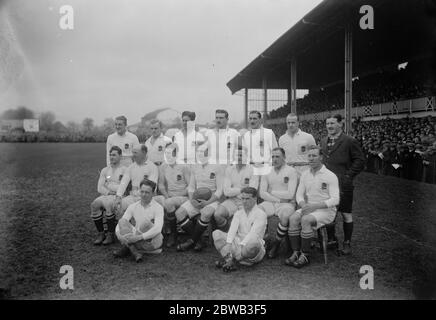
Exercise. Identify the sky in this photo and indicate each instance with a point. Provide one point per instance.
(132, 57)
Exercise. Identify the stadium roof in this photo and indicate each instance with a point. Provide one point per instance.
(402, 31)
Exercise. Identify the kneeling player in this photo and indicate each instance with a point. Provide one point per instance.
(278, 190)
(203, 175)
(108, 184)
(173, 184)
(144, 234)
(237, 177)
(320, 187)
(244, 242)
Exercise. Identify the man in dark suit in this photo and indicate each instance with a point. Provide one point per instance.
(343, 156)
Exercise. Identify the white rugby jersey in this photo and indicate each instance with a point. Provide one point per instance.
(235, 180)
(222, 144)
(175, 178)
(244, 225)
(279, 185)
(209, 176)
(296, 147)
(126, 143)
(186, 145)
(110, 179)
(136, 173)
(156, 148)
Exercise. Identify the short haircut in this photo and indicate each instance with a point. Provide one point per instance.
(337, 116)
(281, 150)
(190, 114)
(154, 121)
(144, 148)
(117, 149)
(222, 111)
(250, 190)
(293, 115)
(315, 147)
(256, 112)
(123, 118)
(149, 183)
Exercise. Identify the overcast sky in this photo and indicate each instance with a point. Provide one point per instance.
(131, 57)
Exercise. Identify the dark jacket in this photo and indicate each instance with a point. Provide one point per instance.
(346, 157)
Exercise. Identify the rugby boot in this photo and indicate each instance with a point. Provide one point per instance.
(109, 239)
(274, 249)
(199, 245)
(303, 260)
(122, 252)
(100, 238)
(292, 259)
(229, 265)
(135, 253)
(220, 263)
(346, 249)
(185, 246)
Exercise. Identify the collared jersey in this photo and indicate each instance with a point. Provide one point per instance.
(136, 173)
(296, 147)
(259, 144)
(243, 225)
(126, 143)
(235, 180)
(323, 186)
(186, 145)
(222, 144)
(175, 179)
(156, 148)
(205, 176)
(144, 215)
(281, 184)
(110, 179)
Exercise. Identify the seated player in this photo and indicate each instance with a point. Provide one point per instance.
(144, 234)
(318, 196)
(203, 175)
(244, 242)
(237, 177)
(278, 188)
(108, 183)
(139, 170)
(173, 185)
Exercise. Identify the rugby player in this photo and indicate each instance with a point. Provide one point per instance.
(237, 177)
(173, 185)
(123, 139)
(188, 139)
(295, 142)
(277, 189)
(344, 157)
(144, 234)
(317, 197)
(202, 175)
(244, 242)
(139, 170)
(157, 143)
(108, 183)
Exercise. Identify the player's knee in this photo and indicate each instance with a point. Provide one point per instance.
(207, 213)
(250, 250)
(181, 214)
(294, 220)
(217, 235)
(96, 205)
(348, 217)
(307, 221)
(221, 213)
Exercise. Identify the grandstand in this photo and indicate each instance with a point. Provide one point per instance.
(387, 95)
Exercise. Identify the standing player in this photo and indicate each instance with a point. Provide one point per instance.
(157, 143)
(237, 177)
(139, 170)
(222, 140)
(144, 234)
(295, 142)
(318, 196)
(259, 142)
(173, 184)
(108, 183)
(123, 139)
(188, 139)
(244, 242)
(202, 175)
(345, 158)
(278, 190)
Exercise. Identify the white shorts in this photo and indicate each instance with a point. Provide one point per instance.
(106, 203)
(322, 216)
(276, 208)
(192, 211)
(173, 203)
(153, 245)
(232, 205)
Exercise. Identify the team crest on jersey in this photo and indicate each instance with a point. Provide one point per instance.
(247, 180)
(212, 175)
(179, 177)
(324, 186)
(121, 176)
(126, 146)
(286, 179)
(261, 143)
(160, 148)
(229, 145)
(145, 176)
(303, 148)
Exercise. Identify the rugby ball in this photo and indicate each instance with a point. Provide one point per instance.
(202, 194)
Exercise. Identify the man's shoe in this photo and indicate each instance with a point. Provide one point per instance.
(302, 261)
(274, 249)
(135, 253)
(346, 250)
(185, 246)
(171, 240)
(229, 265)
(122, 252)
(100, 239)
(220, 263)
(109, 239)
(292, 259)
(199, 246)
